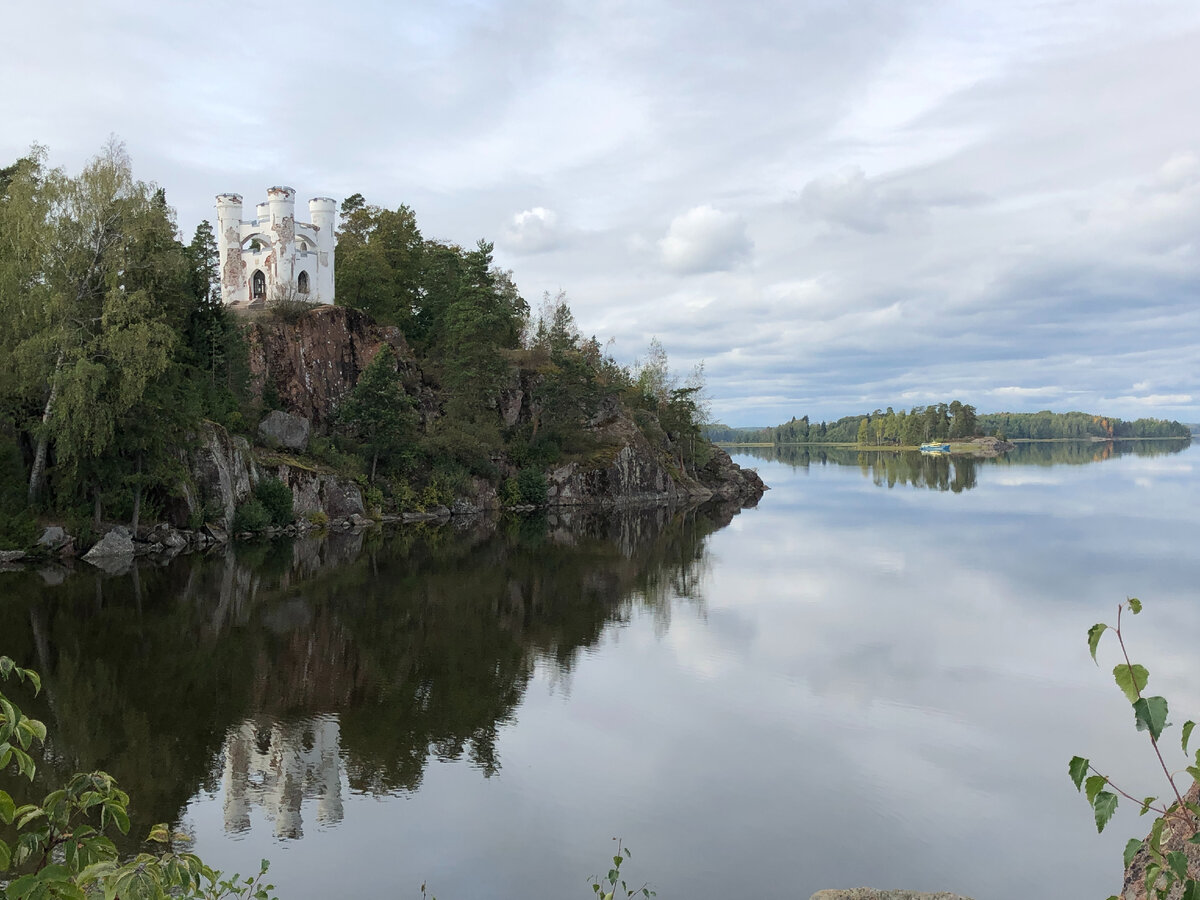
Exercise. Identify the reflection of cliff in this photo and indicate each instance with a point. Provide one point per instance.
(955, 472)
(277, 766)
(404, 644)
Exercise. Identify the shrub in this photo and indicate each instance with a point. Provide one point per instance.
(510, 493)
(318, 518)
(373, 498)
(403, 494)
(251, 515)
(532, 487)
(276, 500)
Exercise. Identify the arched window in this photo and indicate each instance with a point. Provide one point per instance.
(258, 284)
(302, 283)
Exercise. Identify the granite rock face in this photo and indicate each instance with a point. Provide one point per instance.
(313, 363)
(224, 473)
(634, 471)
(286, 430)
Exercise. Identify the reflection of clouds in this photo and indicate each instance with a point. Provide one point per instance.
(276, 766)
(1021, 479)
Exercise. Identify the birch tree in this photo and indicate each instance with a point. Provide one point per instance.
(82, 315)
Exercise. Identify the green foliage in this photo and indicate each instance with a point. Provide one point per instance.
(527, 488)
(612, 886)
(318, 518)
(373, 499)
(62, 847)
(276, 500)
(17, 526)
(379, 413)
(250, 515)
(1167, 866)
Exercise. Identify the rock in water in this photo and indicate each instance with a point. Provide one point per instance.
(290, 432)
(872, 894)
(117, 543)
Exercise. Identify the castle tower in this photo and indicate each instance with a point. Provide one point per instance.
(282, 201)
(229, 246)
(323, 213)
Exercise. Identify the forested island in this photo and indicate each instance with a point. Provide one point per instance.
(947, 422)
(130, 394)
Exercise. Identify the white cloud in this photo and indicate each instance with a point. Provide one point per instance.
(533, 231)
(846, 198)
(705, 239)
(1025, 393)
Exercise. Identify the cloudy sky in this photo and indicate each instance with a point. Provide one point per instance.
(837, 205)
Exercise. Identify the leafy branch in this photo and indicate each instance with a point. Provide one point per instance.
(61, 849)
(1169, 868)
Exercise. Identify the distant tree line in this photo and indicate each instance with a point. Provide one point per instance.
(946, 422)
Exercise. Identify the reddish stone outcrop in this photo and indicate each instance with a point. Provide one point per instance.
(313, 362)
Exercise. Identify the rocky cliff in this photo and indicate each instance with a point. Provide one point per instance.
(310, 365)
(224, 470)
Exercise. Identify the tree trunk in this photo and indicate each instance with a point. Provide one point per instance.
(37, 475)
(97, 510)
(137, 497)
(374, 460)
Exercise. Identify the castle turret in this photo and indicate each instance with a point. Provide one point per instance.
(229, 247)
(323, 213)
(282, 201)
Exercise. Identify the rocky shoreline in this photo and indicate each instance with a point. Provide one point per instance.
(224, 470)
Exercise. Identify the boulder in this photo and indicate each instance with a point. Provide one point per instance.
(285, 429)
(11, 556)
(118, 542)
(340, 498)
(872, 894)
(54, 538)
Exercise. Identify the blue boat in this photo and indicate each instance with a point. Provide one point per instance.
(935, 448)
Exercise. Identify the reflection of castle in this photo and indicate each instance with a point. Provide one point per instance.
(276, 766)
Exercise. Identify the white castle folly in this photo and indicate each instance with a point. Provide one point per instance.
(273, 256)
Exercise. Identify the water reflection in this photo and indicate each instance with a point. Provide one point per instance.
(276, 672)
(278, 765)
(955, 472)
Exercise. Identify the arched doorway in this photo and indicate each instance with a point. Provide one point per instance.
(302, 283)
(258, 285)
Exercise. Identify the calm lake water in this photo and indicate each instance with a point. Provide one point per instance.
(876, 677)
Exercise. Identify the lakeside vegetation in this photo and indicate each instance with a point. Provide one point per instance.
(114, 346)
(947, 422)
